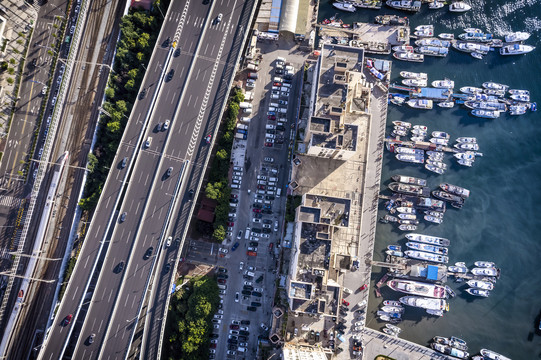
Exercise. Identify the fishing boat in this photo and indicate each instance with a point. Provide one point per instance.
(426, 203)
(434, 169)
(447, 350)
(414, 82)
(476, 36)
(492, 355)
(486, 105)
(406, 210)
(459, 7)
(407, 5)
(446, 104)
(391, 303)
(403, 49)
(470, 90)
(456, 190)
(436, 5)
(495, 86)
(403, 216)
(432, 51)
(391, 20)
(481, 271)
(487, 114)
(519, 92)
(421, 255)
(433, 42)
(517, 109)
(393, 309)
(427, 239)
(443, 195)
(478, 292)
(420, 104)
(404, 124)
(477, 55)
(480, 284)
(409, 56)
(517, 36)
(433, 219)
(344, 6)
(520, 97)
(497, 93)
(409, 180)
(471, 47)
(465, 162)
(465, 139)
(437, 214)
(394, 248)
(446, 36)
(424, 302)
(427, 247)
(485, 264)
(410, 158)
(467, 146)
(404, 227)
(395, 253)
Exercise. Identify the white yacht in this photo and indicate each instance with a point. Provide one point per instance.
(517, 36)
(420, 104)
(443, 84)
(516, 49)
(459, 7)
(344, 6)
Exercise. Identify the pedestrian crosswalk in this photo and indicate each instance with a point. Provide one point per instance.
(9, 201)
(4, 254)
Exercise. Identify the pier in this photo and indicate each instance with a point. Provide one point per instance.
(423, 145)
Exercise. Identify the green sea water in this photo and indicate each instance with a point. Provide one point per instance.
(500, 222)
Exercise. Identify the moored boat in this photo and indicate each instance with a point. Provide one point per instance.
(424, 302)
(465, 162)
(433, 219)
(407, 5)
(456, 190)
(480, 284)
(492, 355)
(406, 210)
(433, 42)
(414, 82)
(459, 7)
(443, 84)
(466, 155)
(471, 47)
(409, 56)
(520, 97)
(448, 350)
(443, 195)
(477, 55)
(446, 104)
(404, 124)
(470, 90)
(485, 264)
(427, 239)
(417, 288)
(478, 292)
(485, 271)
(392, 303)
(427, 247)
(457, 269)
(421, 255)
(413, 75)
(394, 247)
(420, 104)
(396, 329)
(404, 216)
(439, 141)
(446, 36)
(403, 48)
(432, 51)
(472, 29)
(393, 309)
(436, 163)
(344, 6)
(465, 139)
(409, 180)
(495, 86)
(389, 332)
(434, 169)
(436, 5)
(410, 158)
(487, 114)
(517, 109)
(476, 36)
(391, 20)
(467, 146)
(395, 253)
(393, 315)
(440, 134)
(404, 227)
(517, 36)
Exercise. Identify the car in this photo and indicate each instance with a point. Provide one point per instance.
(345, 302)
(266, 226)
(214, 336)
(123, 216)
(239, 235)
(282, 102)
(264, 327)
(280, 128)
(250, 248)
(251, 253)
(234, 200)
(232, 341)
(190, 194)
(169, 171)
(256, 210)
(254, 303)
(222, 281)
(91, 338)
(222, 276)
(142, 94)
(254, 243)
(235, 322)
(72, 30)
(246, 292)
(237, 296)
(67, 320)
(166, 268)
(177, 52)
(168, 241)
(246, 283)
(148, 253)
(212, 351)
(237, 177)
(363, 287)
(256, 220)
(234, 326)
(259, 279)
(251, 308)
(170, 75)
(269, 144)
(123, 163)
(233, 337)
(212, 346)
(245, 322)
(244, 328)
(219, 18)
(166, 125)
(207, 138)
(148, 142)
(231, 223)
(262, 187)
(222, 270)
(44, 90)
(216, 326)
(235, 246)
(231, 352)
(279, 71)
(277, 84)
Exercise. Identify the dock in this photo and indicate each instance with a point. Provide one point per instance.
(423, 145)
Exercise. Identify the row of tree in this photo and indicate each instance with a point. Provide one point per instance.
(218, 182)
(188, 327)
(140, 29)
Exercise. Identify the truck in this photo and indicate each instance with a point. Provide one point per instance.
(245, 119)
(240, 136)
(249, 96)
(252, 66)
(245, 105)
(242, 131)
(242, 126)
(253, 75)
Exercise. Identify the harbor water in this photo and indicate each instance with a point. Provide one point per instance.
(500, 221)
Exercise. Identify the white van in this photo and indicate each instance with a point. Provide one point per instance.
(273, 179)
(237, 168)
(278, 192)
(249, 273)
(274, 104)
(270, 126)
(284, 89)
(272, 108)
(286, 85)
(248, 111)
(234, 186)
(280, 110)
(223, 287)
(277, 79)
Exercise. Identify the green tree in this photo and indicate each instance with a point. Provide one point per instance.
(122, 106)
(132, 74)
(11, 71)
(140, 56)
(113, 127)
(110, 93)
(219, 233)
(222, 154)
(92, 162)
(213, 190)
(143, 41)
(10, 81)
(130, 84)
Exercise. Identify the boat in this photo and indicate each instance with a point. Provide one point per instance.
(414, 82)
(488, 114)
(476, 37)
(424, 27)
(446, 104)
(437, 214)
(399, 132)
(477, 55)
(436, 163)
(432, 51)
(433, 219)
(517, 36)
(520, 97)
(435, 312)
(436, 5)
(446, 36)
(450, 292)
(390, 218)
(427, 239)
(420, 104)
(410, 158)
(424, 302)
(413, 75)
(344, 6)
(391, 20)
(457, 269)
(481, 271)
(434, 169)
(478, 292)
(497, 93)
(485, 264)
(393, 309)
(467, 146)
(419, 132)
(408, 222)
(391, 303)
(439, 141)
(394, 253)
(426, 256)
(420, 127)
(403, 216)
(392, 315)
(394, 247)
(519, 92)
(456, 190)
(466, 155)
(424, 33)
(409, 180)
(480, 284)
(471, 47)
(517, 109)
(465, 139)
(459, 343)
(471, 29)
(389, 319)
(404, 227)
(495, 86)
(433, 42)
(396, 329)
(409, 56)
(418, 138)
(389, 332)
(465, 162)
(434, 155)
(443, 195)
(404, 124)
(492, 355)
(459, 7)
(398, 99)
(427, 247)
(406, 210)
(448, 350)
(440, 134)
(486, 105)
(407, 5)
(470, 90)
(408, 150)
(403, 49)
(426, 203)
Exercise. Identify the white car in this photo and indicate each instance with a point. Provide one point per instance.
(264, 327)
(269, 159)
(254, 249)
(232, 215)
(261, 177)
(220, 312)
(166, 124)
(168, 241)
(237, 178)
(216, 326)
(214, 341)
(212, 351)
(265, 235)
(223, 250)
(251, 268)
(220, 317)
(241, 265)
(248, 283)
(258, 290)
(222, 292)
(235, 322)
(244, 328)
(275, 97)
(270, 136)
(254, 238)
(233, 332)
(266, 226)
(148, 142)
(237, 296)
(256, 220)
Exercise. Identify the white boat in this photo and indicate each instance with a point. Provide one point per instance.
(517, 36)
(404, 124)
(437, 214)
(467, 146)
(432, 51)
(516, 49)
(495, 86)
(396, 329)
(456, 190)
(389, 319)
(390, 332)
(473, 30)
(420, 104)
(395, 253)
(393, 309)
(520, 97)
(399, 132)
(424, 27)
(421, 255)
(486, 105)
(407, 216)
(441, 135)
(410, 151)
(434, 169)
(424, 302)
(485, 264)
(517, 109)
(480, 284)
(424, 33)
(414, 82)
(478, 292)
(427, 239)
(476, 37)
(403, 48)
(427, 247)
(457, 269)
(436, 5)
(410, 158)
(446, 36)
(446, 104)
(436, 163)
(405, 227)
(433, 42)
(392, 302)
(392, 315)
(492, 355)
(439, 141)
(466, 139)
(433, 219)
(407, 5)
(418, 138)
(418, 132)
(488, 114)
(443, 84)
(477, 55)
(464, 162)
(448, 350)
(471, 47)
(406, 210)
(519, 92)
(470, 90)
(408, 180)
(413, 75)
(344, 6)
(482, 271)
(466, 155)
(409, 56)
(436, 156)
(420, 127)
(435, 312)
(459, 7)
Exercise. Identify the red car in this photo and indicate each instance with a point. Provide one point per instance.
(277, 84)
(234, 196)
(230, 224)
(261, 187)
(363, 287)
(268, 144)
(213, 346)
(67, 320)
(271, 245)
(222, 281)
(256, 210)
(251, 253)
(345, 302)
(234, 327)
(271, 117)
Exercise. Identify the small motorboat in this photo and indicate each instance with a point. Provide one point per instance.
(519, 92)
(436, 5)
(459, 7)
(440, 134)
(433, 219)
(446, 104)
(344, 6)
(434, 169)
(457, 269)
(413, 75)
(492, 355)
(471, 90)
(485, 264)
(403, 48)
(420, 104)
(517, 109)
(393, 309)
(516, 49)
(472, 30)
(480, 284)
(467, 146)
(404, 124)
(495, 86)
(420, 127)
(520, 97)
(450, 292)
(396, 329)
(414, 82)
(485, 271)
(466, 155)
(394, 252)
(446, 36)
(392, 303)
(487, 114)
(394, 247)
(517, 36)
(462, 192)
(477, 55)
(478, 292)
(389, 332)
(406, 210)
(405, 227)
(436, 156)
(403, 216)
(392, 315)
(387, 318)
(439, 141)
(443, 84)
(464, 162)
(467, 140)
